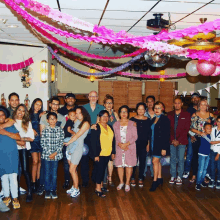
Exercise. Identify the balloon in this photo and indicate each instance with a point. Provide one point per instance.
(217, 71)
(192, 79)
(191, 68)
(85, 150)
(206, 68)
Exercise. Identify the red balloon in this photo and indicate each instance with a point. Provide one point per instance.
(206, 68)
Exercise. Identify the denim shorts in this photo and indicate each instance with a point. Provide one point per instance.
(35, 147)
(156, 156)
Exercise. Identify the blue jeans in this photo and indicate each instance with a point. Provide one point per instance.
(214, 164)
(177, 157)
(202, 169)
(188, 156)
(51, 175)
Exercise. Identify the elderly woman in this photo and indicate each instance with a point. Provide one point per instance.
(198, 120)
(103, 147)
(159, 142)
(125, 135)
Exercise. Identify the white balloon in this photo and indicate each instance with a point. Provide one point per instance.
(191, 68)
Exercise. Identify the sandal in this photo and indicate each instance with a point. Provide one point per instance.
(140, 183)
(127, 188)
(104, 189)
(120, 186)
(193, 180)
(7, 200)
(16, 204)
(100, 194)
(133, 182)
(110, 182)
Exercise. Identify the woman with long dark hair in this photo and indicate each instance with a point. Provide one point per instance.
(35, 113)
(159, 142)
(143, 130)
(81, 128)
(23, 125)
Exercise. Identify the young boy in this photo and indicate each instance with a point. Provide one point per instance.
(52, 143)
(69, 132)
(214, 155)
(203, 158)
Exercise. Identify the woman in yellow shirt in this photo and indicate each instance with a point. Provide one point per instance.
(103, 147)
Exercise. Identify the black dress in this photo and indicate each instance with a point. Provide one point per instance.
(143, 130)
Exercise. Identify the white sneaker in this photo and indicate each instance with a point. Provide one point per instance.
(185, 175)
(75, 193)
(69, 191)
(22, 191)
(179, 181)
(172, 180)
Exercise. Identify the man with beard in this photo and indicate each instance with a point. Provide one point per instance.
(70, 100)
(13, 101)
(195, 98)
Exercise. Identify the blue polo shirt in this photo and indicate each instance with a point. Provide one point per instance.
(93, 114)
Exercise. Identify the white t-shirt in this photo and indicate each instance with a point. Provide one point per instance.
(29, 133)
(215, 136)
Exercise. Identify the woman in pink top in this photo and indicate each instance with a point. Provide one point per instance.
(125, 136)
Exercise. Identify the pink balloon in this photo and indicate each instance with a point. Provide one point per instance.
(206, 68)
(217, 71)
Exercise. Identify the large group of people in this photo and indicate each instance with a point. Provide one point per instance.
(78, 134)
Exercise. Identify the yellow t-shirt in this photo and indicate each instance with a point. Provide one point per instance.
(106, 139)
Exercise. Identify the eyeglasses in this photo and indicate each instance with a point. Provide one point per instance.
(55, 104)
(110, 103)
(157, 108)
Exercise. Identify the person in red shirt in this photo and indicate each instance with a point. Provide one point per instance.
(179, 126)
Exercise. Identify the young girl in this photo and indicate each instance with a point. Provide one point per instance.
(36, 112)
(23, 125)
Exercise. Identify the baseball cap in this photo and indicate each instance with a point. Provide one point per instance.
(68, 95)
(195, 94)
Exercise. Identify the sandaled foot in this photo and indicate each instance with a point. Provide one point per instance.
(100, 194)
(140, 183)
(193, 180)
(7, 200)
(127, 188)
(120, 186)
(133, 183)
(110, 181)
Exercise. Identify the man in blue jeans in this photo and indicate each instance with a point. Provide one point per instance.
(179, 126)
(195, 98)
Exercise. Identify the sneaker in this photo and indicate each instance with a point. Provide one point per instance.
(211, 184)
(69, 191)
(47, 195)
(204, 184)
(185, 175)
(75, 193)
(198, 187)
(218, 184)
(40, 190)
(22, 191)
(208, 176)
(54, 195)
(7, 201)
(3, 207)
(179, 181)
(16, 204)
(172, 180)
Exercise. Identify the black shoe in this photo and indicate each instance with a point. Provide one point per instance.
(160, 181)
(85, 184)
(54, 195)
(33, 187)
(47, 195)
(204, 184)
(40, 190)
(29, 197)
(198, 187)
(153, 186)
(66, 184)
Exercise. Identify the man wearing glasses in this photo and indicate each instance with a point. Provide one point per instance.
(93, 109)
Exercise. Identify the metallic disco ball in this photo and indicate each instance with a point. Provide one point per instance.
(157, 60)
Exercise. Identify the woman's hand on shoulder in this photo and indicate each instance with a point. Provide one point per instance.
(42, 113)
(193, 115)
(94, 127)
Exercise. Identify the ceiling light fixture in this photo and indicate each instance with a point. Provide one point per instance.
(12, 26)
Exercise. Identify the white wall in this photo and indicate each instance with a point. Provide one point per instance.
(11, 81)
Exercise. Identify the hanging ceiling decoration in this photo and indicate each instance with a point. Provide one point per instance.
(200, 41)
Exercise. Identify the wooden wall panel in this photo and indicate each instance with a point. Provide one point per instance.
(152, 88)
(105, 87)
(167, 94)
(134, 93)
